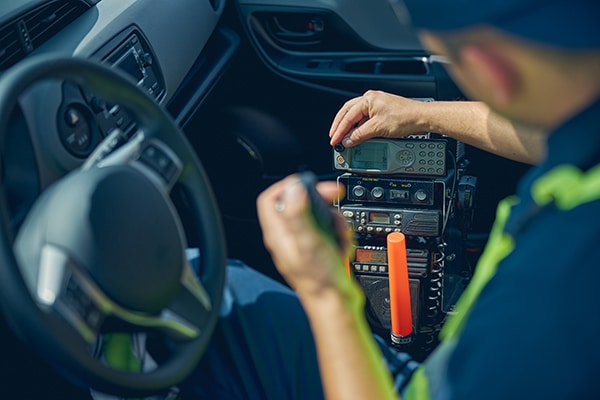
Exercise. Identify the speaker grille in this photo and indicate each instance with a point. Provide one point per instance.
(377, 294)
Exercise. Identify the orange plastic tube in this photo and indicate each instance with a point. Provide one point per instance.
(347, 266)
(400, 308)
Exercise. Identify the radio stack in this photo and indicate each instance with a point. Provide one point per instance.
(418, 187)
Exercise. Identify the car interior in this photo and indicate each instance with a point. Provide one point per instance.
(133, 129)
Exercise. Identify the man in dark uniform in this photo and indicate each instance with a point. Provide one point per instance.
(527, 325)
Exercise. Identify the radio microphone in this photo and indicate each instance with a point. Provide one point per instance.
(320, 210)
(400, 307)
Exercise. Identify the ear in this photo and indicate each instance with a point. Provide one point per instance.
(492, 69)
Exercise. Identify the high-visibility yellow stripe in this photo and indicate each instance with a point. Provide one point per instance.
(567, 186)
(499, 245)
(418, 389)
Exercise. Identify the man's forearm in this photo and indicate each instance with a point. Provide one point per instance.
(350, 361)
(475, 124)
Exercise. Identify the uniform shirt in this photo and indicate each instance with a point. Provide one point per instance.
(527, 325)
(534, 330)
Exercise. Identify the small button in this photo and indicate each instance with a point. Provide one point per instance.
(73, 117)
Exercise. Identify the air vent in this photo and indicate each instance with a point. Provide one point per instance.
(46, 21)
(11, 49)
(32, 29)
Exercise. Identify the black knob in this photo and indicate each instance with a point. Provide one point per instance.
(377, 193)
(359, 192)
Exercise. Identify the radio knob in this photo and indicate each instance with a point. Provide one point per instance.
(146, 59)
(359, 192)
(421, 195)
(377, 193)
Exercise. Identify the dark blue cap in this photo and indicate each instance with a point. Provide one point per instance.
(563, 23)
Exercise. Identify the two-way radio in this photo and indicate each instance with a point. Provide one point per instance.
(393, 156)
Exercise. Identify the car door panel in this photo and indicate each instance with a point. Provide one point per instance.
(335, 46)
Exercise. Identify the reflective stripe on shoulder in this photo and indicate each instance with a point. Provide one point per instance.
(567, 186)
(499, 245)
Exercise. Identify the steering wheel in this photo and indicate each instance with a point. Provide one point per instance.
(102, 250)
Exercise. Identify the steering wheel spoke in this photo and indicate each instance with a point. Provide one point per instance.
(149, 154)
(62, 287)
(191, 308)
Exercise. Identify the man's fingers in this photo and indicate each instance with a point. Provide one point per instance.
(341, 114)
(346, 119)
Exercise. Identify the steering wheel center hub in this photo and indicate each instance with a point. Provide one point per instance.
(125, 234)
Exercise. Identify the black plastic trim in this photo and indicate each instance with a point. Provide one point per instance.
(342, 71)
(204, 75)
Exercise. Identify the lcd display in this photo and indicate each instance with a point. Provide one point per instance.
(370, 156)
(379, 218)
(371, 256)
(130, 65)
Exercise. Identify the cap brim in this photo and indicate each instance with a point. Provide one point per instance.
(563, 23)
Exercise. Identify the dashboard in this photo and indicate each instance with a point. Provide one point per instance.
(168, 48)
(174, 51)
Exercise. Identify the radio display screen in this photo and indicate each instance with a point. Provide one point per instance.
(129, 64)
(379, 217)
(370, 156)
(371, 256)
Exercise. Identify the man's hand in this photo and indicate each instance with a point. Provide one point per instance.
(309, 262)
(376, 114)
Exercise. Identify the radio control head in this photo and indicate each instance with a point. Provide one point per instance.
(381, 156)
(390, 189)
